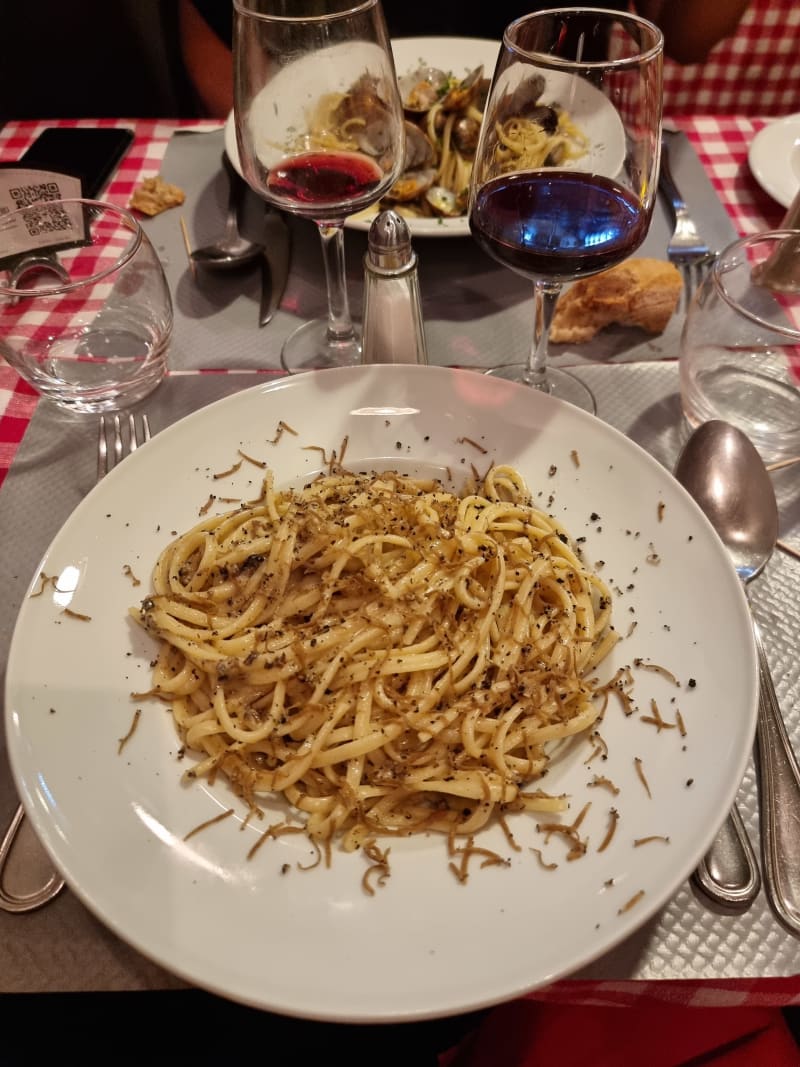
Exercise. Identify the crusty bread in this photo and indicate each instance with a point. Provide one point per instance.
(638, 292)
(154, 195)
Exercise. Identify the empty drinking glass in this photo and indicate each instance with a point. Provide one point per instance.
(85, 309)
(740, 347)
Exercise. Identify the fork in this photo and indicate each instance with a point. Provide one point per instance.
(686, 249)
(125, 437)
(119, 446)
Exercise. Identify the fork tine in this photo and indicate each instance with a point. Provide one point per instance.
(700, 268)
(102, 450)
(137, 436)
(124, 439)
(688, 288)
(117, 440)
(133, 439)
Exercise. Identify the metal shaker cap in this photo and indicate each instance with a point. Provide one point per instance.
(389, 243)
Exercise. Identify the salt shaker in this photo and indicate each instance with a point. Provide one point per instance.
(393, 331)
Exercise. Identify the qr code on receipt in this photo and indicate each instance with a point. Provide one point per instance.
(41, 216)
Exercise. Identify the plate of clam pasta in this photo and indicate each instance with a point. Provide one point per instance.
(444, 82)
(407, 662)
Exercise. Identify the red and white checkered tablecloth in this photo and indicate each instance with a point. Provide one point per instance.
(755, 71)
(720, 141)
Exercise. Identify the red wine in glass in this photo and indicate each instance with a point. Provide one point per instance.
(325, 180)
(557, 224)
(558, 210)
(319, 129)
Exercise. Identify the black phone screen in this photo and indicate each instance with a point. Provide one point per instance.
(82, 152)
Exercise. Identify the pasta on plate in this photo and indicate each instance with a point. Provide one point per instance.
(390, 656)
(443, 119)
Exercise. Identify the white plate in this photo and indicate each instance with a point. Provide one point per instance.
(314, 944)
(774, 158)
(461, 55)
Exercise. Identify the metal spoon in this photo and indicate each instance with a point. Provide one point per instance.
(725, 474)
(728, 874)
(232, 249)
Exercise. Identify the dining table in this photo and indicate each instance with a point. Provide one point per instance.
(476, 315)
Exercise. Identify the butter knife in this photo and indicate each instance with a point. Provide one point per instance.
(275, 262)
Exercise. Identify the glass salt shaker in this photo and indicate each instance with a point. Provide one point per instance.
(392, 331)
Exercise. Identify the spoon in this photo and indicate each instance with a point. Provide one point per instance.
(728, 873)
(232, 249)
(722, 470)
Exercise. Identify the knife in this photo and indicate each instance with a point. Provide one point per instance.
(275, 261)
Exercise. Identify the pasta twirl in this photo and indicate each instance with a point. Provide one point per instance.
(389, 656)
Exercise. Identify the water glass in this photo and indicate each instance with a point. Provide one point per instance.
(85, 309)
(740, 347)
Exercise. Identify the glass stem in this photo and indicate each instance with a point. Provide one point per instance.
(340, 323)
(545, 294)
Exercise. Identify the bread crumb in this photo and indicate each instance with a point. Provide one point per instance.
(154, 195)
(639, 292)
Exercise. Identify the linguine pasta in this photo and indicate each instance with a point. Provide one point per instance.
(523, 144)
(389, 656)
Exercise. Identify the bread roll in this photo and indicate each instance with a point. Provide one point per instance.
(638, 292)
(154, 195)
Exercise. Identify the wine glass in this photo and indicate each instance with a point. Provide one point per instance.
(319, 129)
(566, 167)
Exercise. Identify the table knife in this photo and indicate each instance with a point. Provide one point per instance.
(275, 261)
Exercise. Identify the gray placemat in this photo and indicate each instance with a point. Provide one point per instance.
(476, 313)
(62, 947)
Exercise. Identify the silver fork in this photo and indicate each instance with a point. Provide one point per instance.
(117, 438)
(686, 249)
(122, 443)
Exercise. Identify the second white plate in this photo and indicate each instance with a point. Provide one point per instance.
(774, 159)
(460, 55)
(457, 54)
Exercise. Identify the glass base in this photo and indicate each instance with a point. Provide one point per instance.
(560, 384)
(312, 347)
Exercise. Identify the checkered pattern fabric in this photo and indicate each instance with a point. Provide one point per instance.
(754, 72)
(17, 404)
(31, 321)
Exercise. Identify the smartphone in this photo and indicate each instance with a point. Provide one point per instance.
(82, 152)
